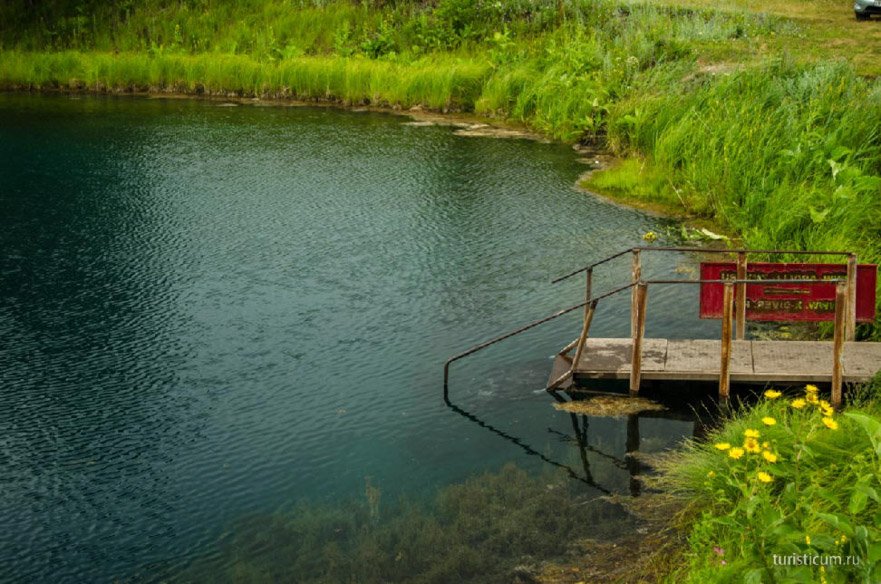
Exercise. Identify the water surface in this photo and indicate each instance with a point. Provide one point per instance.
(211, 311)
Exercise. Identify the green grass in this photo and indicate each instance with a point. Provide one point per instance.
(752, 115)
(822, 495)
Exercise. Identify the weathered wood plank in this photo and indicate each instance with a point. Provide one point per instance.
(861, 360)
(702, 356)
(613, 356)
(795, 360)
(751, 361)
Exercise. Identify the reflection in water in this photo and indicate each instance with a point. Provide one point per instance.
(630, 462)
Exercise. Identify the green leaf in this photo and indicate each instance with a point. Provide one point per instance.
(753, 576)
(872, 427)
(818, 216)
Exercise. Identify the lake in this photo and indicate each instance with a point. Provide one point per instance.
(213, 311)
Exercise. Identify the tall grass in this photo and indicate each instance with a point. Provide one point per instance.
(787, 478)
(437, 81)
(789, 156)
(785, 154)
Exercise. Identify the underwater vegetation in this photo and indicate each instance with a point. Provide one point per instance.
(484, 530)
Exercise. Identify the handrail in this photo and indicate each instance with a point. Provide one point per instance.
(639, 287)
(697, 250)
(517, 331)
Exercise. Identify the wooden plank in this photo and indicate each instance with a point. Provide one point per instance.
(861, 360)
(793, 360)
(838, 343)
(613, 355)
(562, 364)
(690, 357)
(751, 361)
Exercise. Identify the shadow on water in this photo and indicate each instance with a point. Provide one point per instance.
(488, 528)
(695, 410)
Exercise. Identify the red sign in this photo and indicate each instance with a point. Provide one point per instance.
(788, 302)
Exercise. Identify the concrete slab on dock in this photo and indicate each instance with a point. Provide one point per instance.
(699, 360)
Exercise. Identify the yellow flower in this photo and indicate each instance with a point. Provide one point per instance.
(797, 403)
(722, 445)
(768, 421)
(735, 453)
(826, 409)
(650, 236)
(769, 456)
(765, 477)
(766, 445)
(812, 398)
(751, 433)
(843, 538)
(772, 394)
(824, 404)
(711, 474)
(811, 388)
(751, 445)
(830, 423)
(807, 539)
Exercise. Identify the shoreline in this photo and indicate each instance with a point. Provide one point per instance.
(466, 123)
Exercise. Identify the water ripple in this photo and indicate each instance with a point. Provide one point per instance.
(208, 312)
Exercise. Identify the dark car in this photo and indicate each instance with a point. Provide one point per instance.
(863, 9)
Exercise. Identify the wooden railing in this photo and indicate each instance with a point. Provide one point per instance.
(734, 311)
(638, 317)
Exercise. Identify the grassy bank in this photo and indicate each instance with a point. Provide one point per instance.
(788, 478)
(753, 119)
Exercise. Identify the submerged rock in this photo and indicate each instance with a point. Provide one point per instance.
(609, 406)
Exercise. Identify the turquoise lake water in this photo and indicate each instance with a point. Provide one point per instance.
(211, 311)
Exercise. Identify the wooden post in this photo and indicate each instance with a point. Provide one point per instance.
(588, 285)
(740, 304)
(578, 343)
(841, 291)
(725, 365)
(635, 275)
(582, 338)
(588, 292)
(636, 357)
(851, 312)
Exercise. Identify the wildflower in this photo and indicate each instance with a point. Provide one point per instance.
(711, 474)
(812, 398)
(768, 421)
(843, 538)
(735, 453)
(797, 403)
(764, 477)
(722, 445)
(807, 539)
(766, 445)
(751, 433)
(830, 423)
(650, 236)
(773, 394)
(769, 456)
(751, 445)
(811, 389)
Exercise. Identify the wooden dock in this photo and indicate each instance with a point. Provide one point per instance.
(762, 362)
(734, 291)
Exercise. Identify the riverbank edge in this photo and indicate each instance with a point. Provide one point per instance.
(467, 123)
